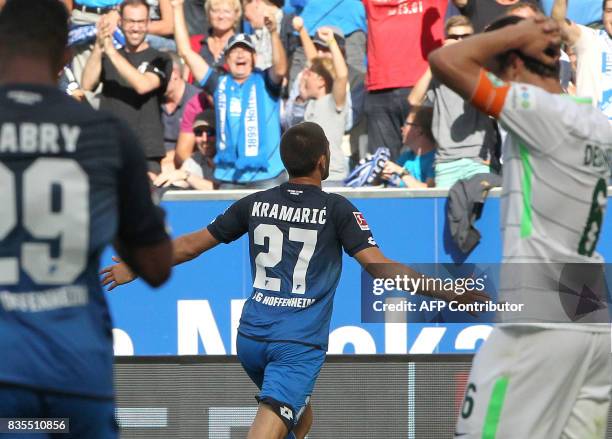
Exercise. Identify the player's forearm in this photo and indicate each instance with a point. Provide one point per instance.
(190, 246)
(458, 65)
(92, 70)
(279, 58)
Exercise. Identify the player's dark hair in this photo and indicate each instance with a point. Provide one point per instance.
(533, 65)
(33, 29)
(301, 147)
(125, 3)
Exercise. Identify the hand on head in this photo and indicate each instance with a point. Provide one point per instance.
(541, 39)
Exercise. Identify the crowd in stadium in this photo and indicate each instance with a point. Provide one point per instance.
(209, 86)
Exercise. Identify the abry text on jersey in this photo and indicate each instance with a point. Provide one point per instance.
(38, 138)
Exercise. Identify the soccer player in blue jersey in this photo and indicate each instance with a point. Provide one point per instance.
(72, 180)
(296, 235)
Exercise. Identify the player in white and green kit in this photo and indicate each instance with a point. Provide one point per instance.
(540, 376)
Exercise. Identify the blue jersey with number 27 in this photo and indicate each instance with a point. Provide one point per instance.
(296, 235)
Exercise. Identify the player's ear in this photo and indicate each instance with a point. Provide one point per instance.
(515, 66)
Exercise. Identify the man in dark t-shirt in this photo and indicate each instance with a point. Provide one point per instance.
(134, 78)
(483, 12)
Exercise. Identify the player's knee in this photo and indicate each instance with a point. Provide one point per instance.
(283, 410)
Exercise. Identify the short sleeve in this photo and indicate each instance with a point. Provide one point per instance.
(430, 97)
(141, 223)
(233, 223)
(273, 88)
(162, 67)
(192, 109)
(351, 226)
(210, 81)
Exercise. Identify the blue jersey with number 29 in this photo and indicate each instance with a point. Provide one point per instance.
(296, 235)
(72, 179)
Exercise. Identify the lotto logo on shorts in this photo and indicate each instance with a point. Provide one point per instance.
(361, 222)
(286, 412)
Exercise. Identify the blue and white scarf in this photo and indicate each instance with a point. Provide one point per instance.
(369, 170)
(248, 151)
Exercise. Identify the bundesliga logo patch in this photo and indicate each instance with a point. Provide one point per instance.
(361, 222)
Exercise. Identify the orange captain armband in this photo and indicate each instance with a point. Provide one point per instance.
(490, 94)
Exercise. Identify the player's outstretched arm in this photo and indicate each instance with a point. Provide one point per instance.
(184, 248)
(380, 267)
(458, 65)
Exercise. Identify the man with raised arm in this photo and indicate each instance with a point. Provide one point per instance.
(247, 104)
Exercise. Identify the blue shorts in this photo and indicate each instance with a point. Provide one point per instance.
(88, 417)
(284, 372)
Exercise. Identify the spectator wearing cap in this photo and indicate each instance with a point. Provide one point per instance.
(400, 36)
(465, 137)
(134, 78)
(198, 170)
(484, 12)
(324, 88)
(178, 94)
(247, 106)
(415, 167)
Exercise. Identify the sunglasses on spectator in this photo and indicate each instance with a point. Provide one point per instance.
(458, 36)
(208, 131)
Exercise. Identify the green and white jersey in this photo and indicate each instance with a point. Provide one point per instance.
(557, 160)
